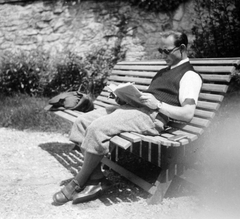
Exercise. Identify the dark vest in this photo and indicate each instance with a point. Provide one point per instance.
(165, 84)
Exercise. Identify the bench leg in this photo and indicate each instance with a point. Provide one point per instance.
(128, 175)
(171, 165)
(158, 192)
(168, 181)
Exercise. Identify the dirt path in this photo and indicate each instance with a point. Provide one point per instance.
(29, 176)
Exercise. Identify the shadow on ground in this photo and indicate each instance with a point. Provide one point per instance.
(71, 158)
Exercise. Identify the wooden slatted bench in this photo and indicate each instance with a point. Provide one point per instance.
(170, 156)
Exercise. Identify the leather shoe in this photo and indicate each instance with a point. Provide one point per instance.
(66, 194)
(91, 191)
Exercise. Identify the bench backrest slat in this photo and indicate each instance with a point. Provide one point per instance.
(199, 122)
(211, 97)
(207, 105)
(188, 128)
(218, 88)
(219, 78)
(204, 114)
(194, 61)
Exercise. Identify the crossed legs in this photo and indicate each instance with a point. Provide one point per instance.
(91, 169)
(94, 131)
(78, 190)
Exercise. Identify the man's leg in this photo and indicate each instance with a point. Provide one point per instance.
(79, 127)
(96, 141)
(90, 167)
(126, 119)
(78, 133)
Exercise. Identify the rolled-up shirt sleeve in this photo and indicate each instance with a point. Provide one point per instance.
(190, 86)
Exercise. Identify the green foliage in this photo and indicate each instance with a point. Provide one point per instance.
(91, 71)
(21, 73)
(148, 5)
(66, 72)
(157, 5)
(98, 65)
(36, 74)
(217, 30)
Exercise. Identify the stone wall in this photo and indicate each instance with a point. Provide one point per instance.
(87, 25)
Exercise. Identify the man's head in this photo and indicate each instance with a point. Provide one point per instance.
(173, 47)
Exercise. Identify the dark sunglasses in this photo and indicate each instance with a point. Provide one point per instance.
(166, 51)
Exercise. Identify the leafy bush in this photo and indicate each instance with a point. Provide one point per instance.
(66, 72)
(157, 5)
(36, 74)
(149, 5)
(21, 73)
(90, 71)
(98, 65)
(217, 28)
(217, 31)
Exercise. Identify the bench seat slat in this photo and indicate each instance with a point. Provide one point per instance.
(183, 141)
(74, 112)
(107, 100)
(190, 136)
(97, 106)
(158, 140)
(65, 115)
(101, 104)
(130, 137)
(166, 142)
(120, 142)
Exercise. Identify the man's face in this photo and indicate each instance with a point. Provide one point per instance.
(170, 53)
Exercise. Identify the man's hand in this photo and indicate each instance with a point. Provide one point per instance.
(149, 100)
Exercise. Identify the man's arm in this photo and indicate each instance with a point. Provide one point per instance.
(190, 86)
(184, 112)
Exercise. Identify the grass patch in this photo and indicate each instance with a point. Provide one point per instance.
(24, 112)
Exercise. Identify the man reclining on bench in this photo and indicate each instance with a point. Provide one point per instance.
(173, 93)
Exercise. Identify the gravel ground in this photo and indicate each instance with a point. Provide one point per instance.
(30, 175)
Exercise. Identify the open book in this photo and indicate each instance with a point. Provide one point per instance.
(127, 92)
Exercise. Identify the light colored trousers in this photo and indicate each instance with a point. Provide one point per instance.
(93, 130)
